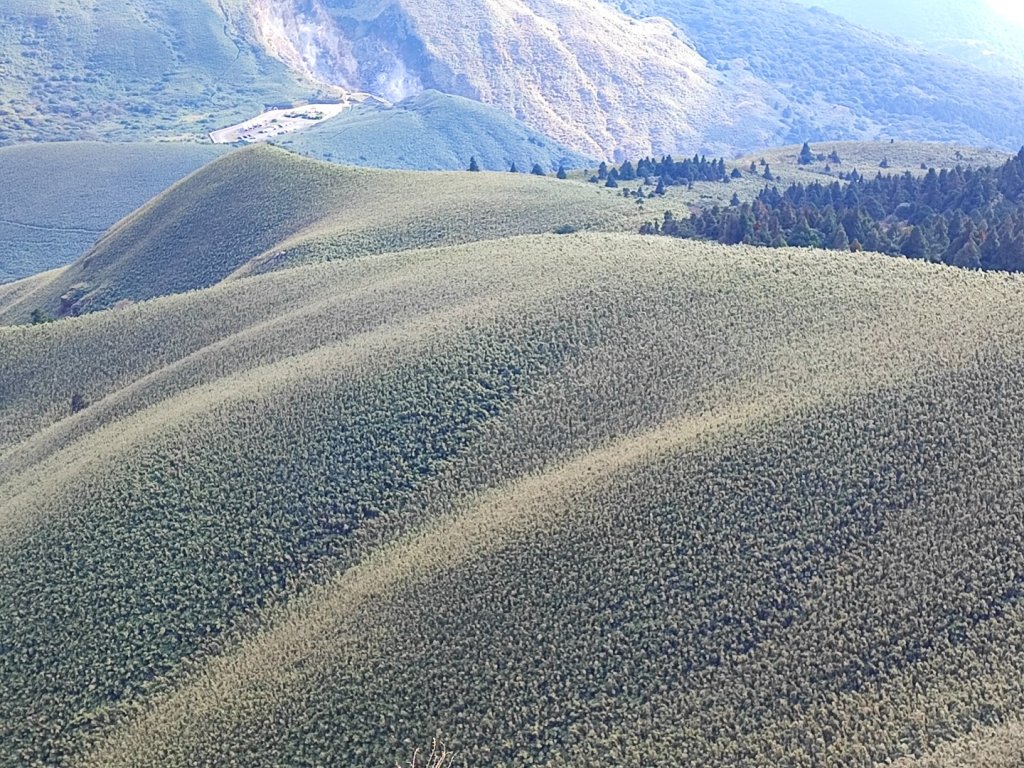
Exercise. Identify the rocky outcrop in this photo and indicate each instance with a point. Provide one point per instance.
(579, 71)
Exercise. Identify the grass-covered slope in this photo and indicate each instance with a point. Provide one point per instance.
(60, 197)
(558, 500)
(130, 69)
(432, 131)
(264, 208)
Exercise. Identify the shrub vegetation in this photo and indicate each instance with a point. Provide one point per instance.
(565, 500)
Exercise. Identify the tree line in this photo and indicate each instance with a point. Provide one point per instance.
(966, 217)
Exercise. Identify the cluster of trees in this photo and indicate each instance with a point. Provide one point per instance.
(808, 156)
(537, 170)
(668, 171)
(964, 217)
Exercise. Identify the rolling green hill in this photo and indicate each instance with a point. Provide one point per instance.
(432, 131)
(557, 500)
(116, 69)
(45, 223)
(264, 208)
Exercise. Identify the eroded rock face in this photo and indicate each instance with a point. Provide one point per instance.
(580, 71)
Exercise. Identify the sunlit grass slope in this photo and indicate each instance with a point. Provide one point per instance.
(595, 499)
(263, 208)
(1000, 747)
(60, 197)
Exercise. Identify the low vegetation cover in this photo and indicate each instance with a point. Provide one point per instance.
(263, 208)
(965, 217)
(432, 131)
(132, 69)
(44, 225)
(553, 500)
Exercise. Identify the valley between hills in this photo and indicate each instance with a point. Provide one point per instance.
(633, 383)
(555, 499)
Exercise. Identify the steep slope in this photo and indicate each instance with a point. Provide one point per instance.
(45, 225)
(972, 30)
(579, 71)
(642, 76)
(78, 69)
(433, 131)
(840, 81)
(264, 208)
(558, 500)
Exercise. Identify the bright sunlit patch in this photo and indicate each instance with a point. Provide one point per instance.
(1009, 9)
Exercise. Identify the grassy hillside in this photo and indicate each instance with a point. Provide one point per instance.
(558, 500)
(432, 131)
(44, 224)
(867, 157)
(264, 208)
(1001, 747)
(72, 69)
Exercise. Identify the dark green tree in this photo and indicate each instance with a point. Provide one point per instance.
(840, 241)
(472, 165)
(914, 246)
(537, 170)
(561, 172)
(40, 316)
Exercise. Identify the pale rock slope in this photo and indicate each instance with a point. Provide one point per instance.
(580, 71)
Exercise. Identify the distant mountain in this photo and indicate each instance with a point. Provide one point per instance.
(839, 81)
(128, 69)
(638, 76)
(432, 131)
(580, 71)
(971, 30)
(601, 78)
